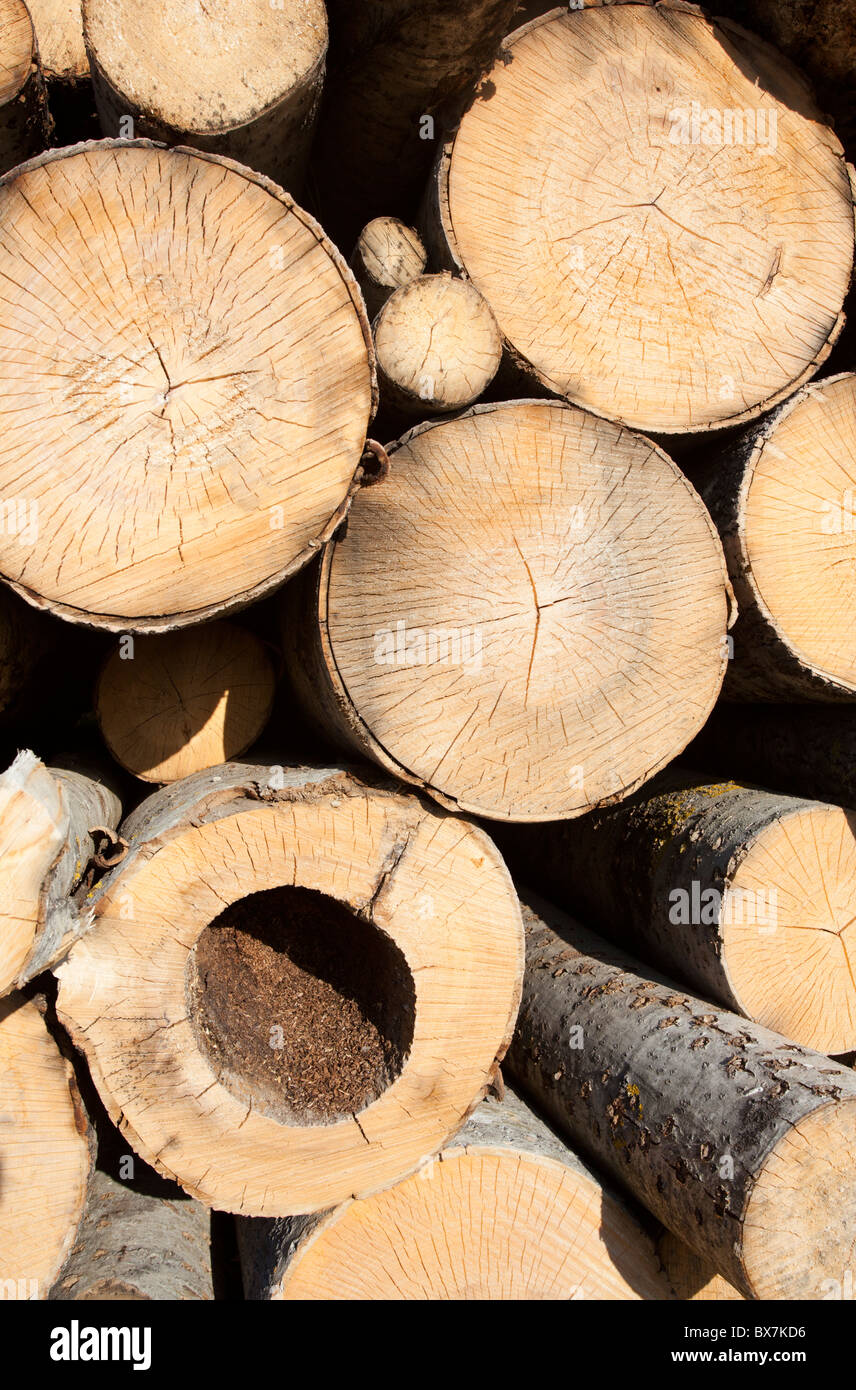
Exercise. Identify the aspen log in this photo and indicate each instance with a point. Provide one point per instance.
(132, 1247)
(641, 244)
(438, 347)
(387, 255)
(192, 74)
(740, 1142)
(507, 1211)
(65, 68)
(819, 35)
(46, 1153)
(745, 895)
(172, 705)
(803, 750)
(298, 985)
(397, 67)
(500, 623)
(691, 1277)
(784, 500)
(24, 123)
(52, 823)
(217, 380)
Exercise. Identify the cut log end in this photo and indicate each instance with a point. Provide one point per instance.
(499, 624)
(33, 832)
(438, 346)
(59, 31)
(789, 930)
(16, 49)
(388, 254)
(45, 1148)
(791, 1248)
(236, 395)
(691, 1277)
(390, 964)
(171, 705)
(689, 260)
(186, 72)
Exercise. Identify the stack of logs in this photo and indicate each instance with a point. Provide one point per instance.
(327, 757)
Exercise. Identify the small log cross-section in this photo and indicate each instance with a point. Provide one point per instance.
(298, 984)
(387, 255)
(133, 1247)
(741, 1143)
(690, 1276)
(23, 108)
(47, 820)
(654, 210)
(198, 375)
(502, 621)
(505, 1212)
(784, 499)
(46, 1153)
(438, 347)
(745, 895)
(197, 74)
(174, 704)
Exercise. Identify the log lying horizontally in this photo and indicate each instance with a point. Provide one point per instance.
(740, 1142)
(46, 1149)
(187, 74)
(502, 622)
(387, 255)
(50, 821)
(393, 66)
(297, 987)
(784, 500)
(204, 458)
(701, 281)
(132, 1246)
(24, 121)
(505, 1212)
(745, 895)
(803, 750)
(172, 705)
(438, 347)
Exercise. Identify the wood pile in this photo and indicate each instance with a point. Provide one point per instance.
(427, 679)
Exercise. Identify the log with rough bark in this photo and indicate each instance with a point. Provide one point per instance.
(298, 985)
(784, 499)
(802, 750)
(388, 254)
(502, 623)
(189, 74)
(651, 205)
(134, 1247)
(65, 68)
(690, 1276)
(438, 347)
(744, 894)
(740, 1142)
(46, 1153)
(53, 822)
(819, 35)
(396, 67)
(206, 427)
(24, 123)
(506, 1211)
(174, 704)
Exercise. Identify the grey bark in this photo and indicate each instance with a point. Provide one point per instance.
(133, 1247)
(620, 865)
(679, 1102)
